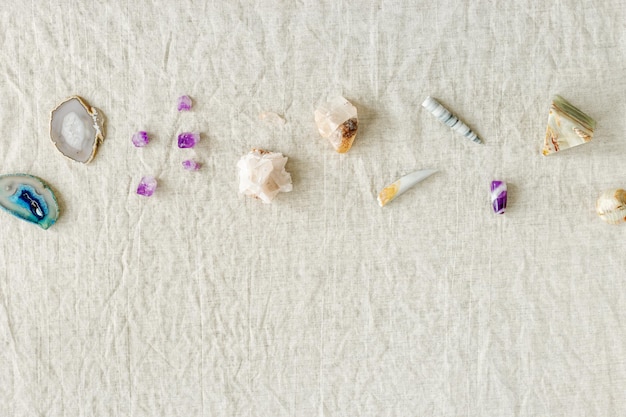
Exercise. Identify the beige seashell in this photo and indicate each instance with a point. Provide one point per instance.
(611, 206)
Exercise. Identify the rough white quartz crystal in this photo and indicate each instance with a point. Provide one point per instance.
(337, 121)
(262, 174)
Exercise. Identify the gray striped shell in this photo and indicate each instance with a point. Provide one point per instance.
(449, 119)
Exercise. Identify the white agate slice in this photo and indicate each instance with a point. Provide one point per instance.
(262, 175)
(338, 122)
(390, 192)
(611, 206)
(76, 129)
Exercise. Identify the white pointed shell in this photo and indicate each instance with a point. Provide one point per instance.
(611, 206)
(398, 187)
(76, 129)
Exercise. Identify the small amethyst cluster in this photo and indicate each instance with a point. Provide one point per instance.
(148, 184)
(140, 139)
(184, 103)
(188, 139)
(191, 165)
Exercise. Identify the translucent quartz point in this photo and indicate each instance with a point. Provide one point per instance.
(28, 198)
(147, 186)
(76, 129)
(390, 192)
(338, 122)
(567, 127)
(271, 118)
(262, 175)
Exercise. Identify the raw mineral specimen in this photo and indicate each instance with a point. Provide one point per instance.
(567, 127)
(184, 103)
(262, 174)
(498, 196)
(28, 198)
(191, 165)
(395, 189)
(611, 206)
(338, 122)
(147, 186)
(188, 139)
(76, 129)
(140, 139)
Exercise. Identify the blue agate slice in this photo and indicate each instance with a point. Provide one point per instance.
(28, 198)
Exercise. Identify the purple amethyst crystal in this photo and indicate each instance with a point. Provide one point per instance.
(184, 103)
(140, 139)
(498, 196)
(188, 139)
(191, 165)
(147, 185)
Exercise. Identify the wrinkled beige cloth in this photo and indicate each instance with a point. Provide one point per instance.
(200, 302)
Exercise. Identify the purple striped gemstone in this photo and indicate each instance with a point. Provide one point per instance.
(498, 196)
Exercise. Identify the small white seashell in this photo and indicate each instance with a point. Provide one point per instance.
(611, 206)
(337, 121)
(400, 186)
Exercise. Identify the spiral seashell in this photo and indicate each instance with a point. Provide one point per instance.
(449, 119)
(611, 206)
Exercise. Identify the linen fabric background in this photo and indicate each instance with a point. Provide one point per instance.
(200, 302)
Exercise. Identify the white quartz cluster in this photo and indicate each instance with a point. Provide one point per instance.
(262, 174)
